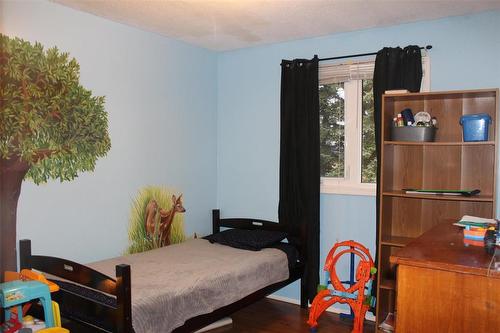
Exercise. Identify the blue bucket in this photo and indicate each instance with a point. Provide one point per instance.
(475, 126)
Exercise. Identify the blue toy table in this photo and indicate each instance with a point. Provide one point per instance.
(15, 293)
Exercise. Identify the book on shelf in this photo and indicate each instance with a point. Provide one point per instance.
(466, 193)
(474, 221)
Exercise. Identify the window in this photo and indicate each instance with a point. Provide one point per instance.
(347, 131)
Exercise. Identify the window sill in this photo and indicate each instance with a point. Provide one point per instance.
(349, 189)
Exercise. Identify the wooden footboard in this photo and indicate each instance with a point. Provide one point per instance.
(115, 317)
(115, 314)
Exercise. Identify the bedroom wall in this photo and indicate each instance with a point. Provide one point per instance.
(161, 104)
(465, 55)
(206, 123)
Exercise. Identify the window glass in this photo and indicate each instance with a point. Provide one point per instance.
(368, 152)
(332, 129)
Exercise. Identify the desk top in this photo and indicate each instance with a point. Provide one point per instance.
(443, 248)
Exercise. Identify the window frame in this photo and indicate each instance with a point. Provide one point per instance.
(351, 183)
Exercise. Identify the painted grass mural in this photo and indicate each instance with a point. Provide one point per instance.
(156, 219)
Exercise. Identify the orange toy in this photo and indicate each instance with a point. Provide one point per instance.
(25, 275)
(28, 274)
(353, 295)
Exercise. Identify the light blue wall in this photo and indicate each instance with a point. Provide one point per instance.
(161, 101)
(465, 54)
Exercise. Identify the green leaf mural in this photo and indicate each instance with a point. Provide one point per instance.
(50, 126)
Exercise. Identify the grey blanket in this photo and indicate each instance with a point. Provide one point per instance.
(175, 283)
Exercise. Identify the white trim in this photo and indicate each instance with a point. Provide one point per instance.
(340, 186)
(426, 73)
(333, 309)
(351, 148)
(283, 299)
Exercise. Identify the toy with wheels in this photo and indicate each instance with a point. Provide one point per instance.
(353, 295)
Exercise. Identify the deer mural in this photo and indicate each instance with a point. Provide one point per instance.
(166, 219)
(150, 220)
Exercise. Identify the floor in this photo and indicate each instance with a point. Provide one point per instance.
(270, 316)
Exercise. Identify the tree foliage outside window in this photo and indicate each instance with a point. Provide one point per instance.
(369, 154)
(332, 134)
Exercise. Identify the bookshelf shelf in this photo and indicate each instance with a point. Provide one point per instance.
(448, 143)
(403, 194)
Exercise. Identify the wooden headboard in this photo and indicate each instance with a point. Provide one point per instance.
(255, 224)
(242, 223)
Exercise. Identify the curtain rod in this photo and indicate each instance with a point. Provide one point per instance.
(428, 47)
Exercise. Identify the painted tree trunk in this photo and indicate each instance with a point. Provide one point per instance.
(12, 172)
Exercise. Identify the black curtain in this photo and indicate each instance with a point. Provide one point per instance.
(395, 68)
(299, 187)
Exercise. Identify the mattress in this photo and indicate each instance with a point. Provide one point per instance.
(181, 281)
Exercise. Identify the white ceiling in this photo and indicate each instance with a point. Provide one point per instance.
(231, 24)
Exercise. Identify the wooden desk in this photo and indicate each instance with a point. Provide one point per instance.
(445, 286)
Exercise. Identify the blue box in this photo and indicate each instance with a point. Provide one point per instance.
(475, 126)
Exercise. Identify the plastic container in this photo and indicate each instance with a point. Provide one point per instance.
(475, 126)
(410, 133)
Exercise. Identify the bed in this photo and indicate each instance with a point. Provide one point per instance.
(91, 297)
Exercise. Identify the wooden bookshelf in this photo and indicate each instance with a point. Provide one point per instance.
(447, 163)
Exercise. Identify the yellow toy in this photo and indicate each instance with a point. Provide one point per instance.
(54, 330)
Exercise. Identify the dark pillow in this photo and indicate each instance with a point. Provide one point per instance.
(253, 240)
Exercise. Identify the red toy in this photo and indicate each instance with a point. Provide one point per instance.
(353, 295)
(12, 325)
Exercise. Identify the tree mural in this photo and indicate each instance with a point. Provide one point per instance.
(50, 127)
